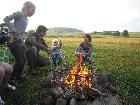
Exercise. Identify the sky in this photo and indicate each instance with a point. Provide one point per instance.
(86, 15)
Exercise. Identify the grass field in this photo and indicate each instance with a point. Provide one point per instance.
(118, 56)
(134, 34)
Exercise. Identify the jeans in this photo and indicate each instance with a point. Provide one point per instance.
(18, 52)
(56, 59)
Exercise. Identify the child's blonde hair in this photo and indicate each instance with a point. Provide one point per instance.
(28, 4)
(55, 40)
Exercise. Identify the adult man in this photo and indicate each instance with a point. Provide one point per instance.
(34, 43)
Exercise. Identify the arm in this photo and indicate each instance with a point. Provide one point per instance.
(90, 50)
(10, 24)
(40, 46)
(60, 44)
(78, 50)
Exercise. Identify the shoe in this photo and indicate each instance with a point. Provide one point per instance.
(11, 87)
(1, 101)
(13, 82)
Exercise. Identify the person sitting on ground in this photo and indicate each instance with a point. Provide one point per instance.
(34, 43)
(6, 71)
(56, 52)
(85, 49)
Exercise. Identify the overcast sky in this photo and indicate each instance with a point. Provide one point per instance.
(87, 15)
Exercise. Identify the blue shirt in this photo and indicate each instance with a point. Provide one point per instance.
(20, 23)
(56, 50)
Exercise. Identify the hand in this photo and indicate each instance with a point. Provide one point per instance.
(2, 24)
(48, 50)
(10, 39)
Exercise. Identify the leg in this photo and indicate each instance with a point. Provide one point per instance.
(8, 72)
(16, 51)
(31, 54)
(20, 71)
(54, 60)
(59, 59)
(2, 73)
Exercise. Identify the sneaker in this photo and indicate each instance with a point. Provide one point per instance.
(1, 101)
(11, 87)
(13, 82)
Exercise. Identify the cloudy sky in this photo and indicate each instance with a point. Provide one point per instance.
(87, 15)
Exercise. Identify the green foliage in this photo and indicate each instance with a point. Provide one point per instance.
(63, 30)
(125, 33)
(114, 33)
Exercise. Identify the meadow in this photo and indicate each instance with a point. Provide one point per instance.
(115, 55)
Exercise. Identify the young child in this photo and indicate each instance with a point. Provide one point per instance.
(17, 29)
(56, 52)
(85, 49)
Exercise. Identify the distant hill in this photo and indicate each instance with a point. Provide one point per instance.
(63, 30)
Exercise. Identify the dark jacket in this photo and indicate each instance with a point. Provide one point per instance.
(34, 40)
(86, 49)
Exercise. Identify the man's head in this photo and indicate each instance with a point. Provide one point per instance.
(41, 30)
(28, 8)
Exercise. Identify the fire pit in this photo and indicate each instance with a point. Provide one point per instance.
(78, 85)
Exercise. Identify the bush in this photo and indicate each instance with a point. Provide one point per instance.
(125, 33)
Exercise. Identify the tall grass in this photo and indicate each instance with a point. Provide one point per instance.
(117, 56)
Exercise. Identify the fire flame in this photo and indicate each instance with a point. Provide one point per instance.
(79, 76)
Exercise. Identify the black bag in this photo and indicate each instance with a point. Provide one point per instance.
(3, 34)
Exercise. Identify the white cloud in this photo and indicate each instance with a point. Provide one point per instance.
(88, 15)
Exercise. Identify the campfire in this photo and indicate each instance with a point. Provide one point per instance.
(77, 85)
(79, 77)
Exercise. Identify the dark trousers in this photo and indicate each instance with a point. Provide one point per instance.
(34, 60)
(18, 52)
(31, 54)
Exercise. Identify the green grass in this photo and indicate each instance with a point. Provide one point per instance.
(118, 56)
(135, 34)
